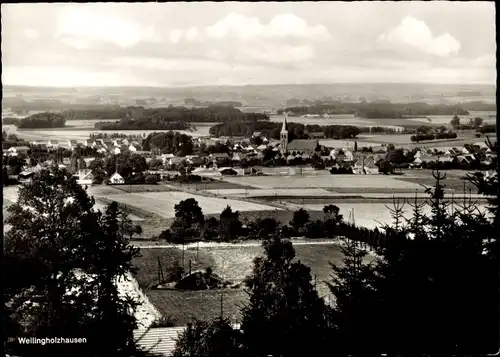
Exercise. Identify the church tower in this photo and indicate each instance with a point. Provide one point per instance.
(284, 136)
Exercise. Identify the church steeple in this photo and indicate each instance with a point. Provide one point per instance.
(284, 135)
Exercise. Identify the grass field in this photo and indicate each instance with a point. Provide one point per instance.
(324, 181)
(233, 263)
(214, 185)
(252, 192)
(141, 188)
(162, 203)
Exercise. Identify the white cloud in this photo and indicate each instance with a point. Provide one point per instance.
(281, 26)
(175, 36)
(31, 34)
(81, 27)
(415, 33)
(279, 54)
(192, 34)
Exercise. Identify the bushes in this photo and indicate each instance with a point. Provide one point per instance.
(424, 137)
(341, 171)
(152, 179)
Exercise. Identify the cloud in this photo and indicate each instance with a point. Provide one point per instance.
(246, 28)
(82, 28)
(31, 34)
(416, 34)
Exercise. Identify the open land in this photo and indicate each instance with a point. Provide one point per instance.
(324, 181)
(232, 263)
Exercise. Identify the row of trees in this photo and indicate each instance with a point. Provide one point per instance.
(273, 129)
(169, 143)
(191, 225)
(425, 137)
(378, 110)
(38, 121)
(171, 113)
(144, 123)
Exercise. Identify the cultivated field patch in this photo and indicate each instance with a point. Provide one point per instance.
(272, 192)
(324, 181)
(162, 203)
(233, 263)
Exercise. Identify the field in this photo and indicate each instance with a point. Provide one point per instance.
(341, 120)
(82, 131)
(232, 263)
(162, 203)
(324, 181)
(445, 119)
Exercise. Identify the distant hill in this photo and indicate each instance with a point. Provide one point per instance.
(265, 96)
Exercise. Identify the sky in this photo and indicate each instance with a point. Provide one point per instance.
(237, 43)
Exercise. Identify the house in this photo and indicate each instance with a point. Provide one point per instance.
(101, 150)
(366, 166)
(348, 155)
(132, 148)
(304, 145)
(53, 144)
(26, 176)
(195, 161)
(85, 177)
(166, 157)
(73, 144)
(16, 150)
(125, 142)
(175, 161)
(261, 147)
(116, 151)
(64, 145)
(465, 159)
(116, 179)
(256, 134)
(238, 156)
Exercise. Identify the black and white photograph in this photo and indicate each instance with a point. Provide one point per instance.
(250, 179)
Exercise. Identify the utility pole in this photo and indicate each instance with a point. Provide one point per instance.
(222, 304)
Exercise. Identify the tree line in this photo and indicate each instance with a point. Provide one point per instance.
(214, 113)
(273, 129)
(38, 121)
(377, 110)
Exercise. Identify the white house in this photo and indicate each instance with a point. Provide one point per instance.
(116, 151)
(116, 142)
(166, 157)
(85, 177)
(348, 155)
(53, 144)
(116, 179)
(174, 160)
(132, 148)
(125, 142)
(366, 166)
(16, 150)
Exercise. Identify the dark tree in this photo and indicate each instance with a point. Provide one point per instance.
(284, 309)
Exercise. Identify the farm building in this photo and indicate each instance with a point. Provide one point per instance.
(16, 150)
(366, 166)
(85, 177)
(304, 145)
(116, 179)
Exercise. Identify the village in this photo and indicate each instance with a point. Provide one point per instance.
(238, 156)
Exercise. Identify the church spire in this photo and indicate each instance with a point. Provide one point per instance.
(284, 136)
(284, 128)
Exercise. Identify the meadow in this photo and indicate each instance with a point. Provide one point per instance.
(488, 117)
(324, 181)
(232, 263)
(162, 203)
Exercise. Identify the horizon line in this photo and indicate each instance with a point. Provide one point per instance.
(249, 85)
